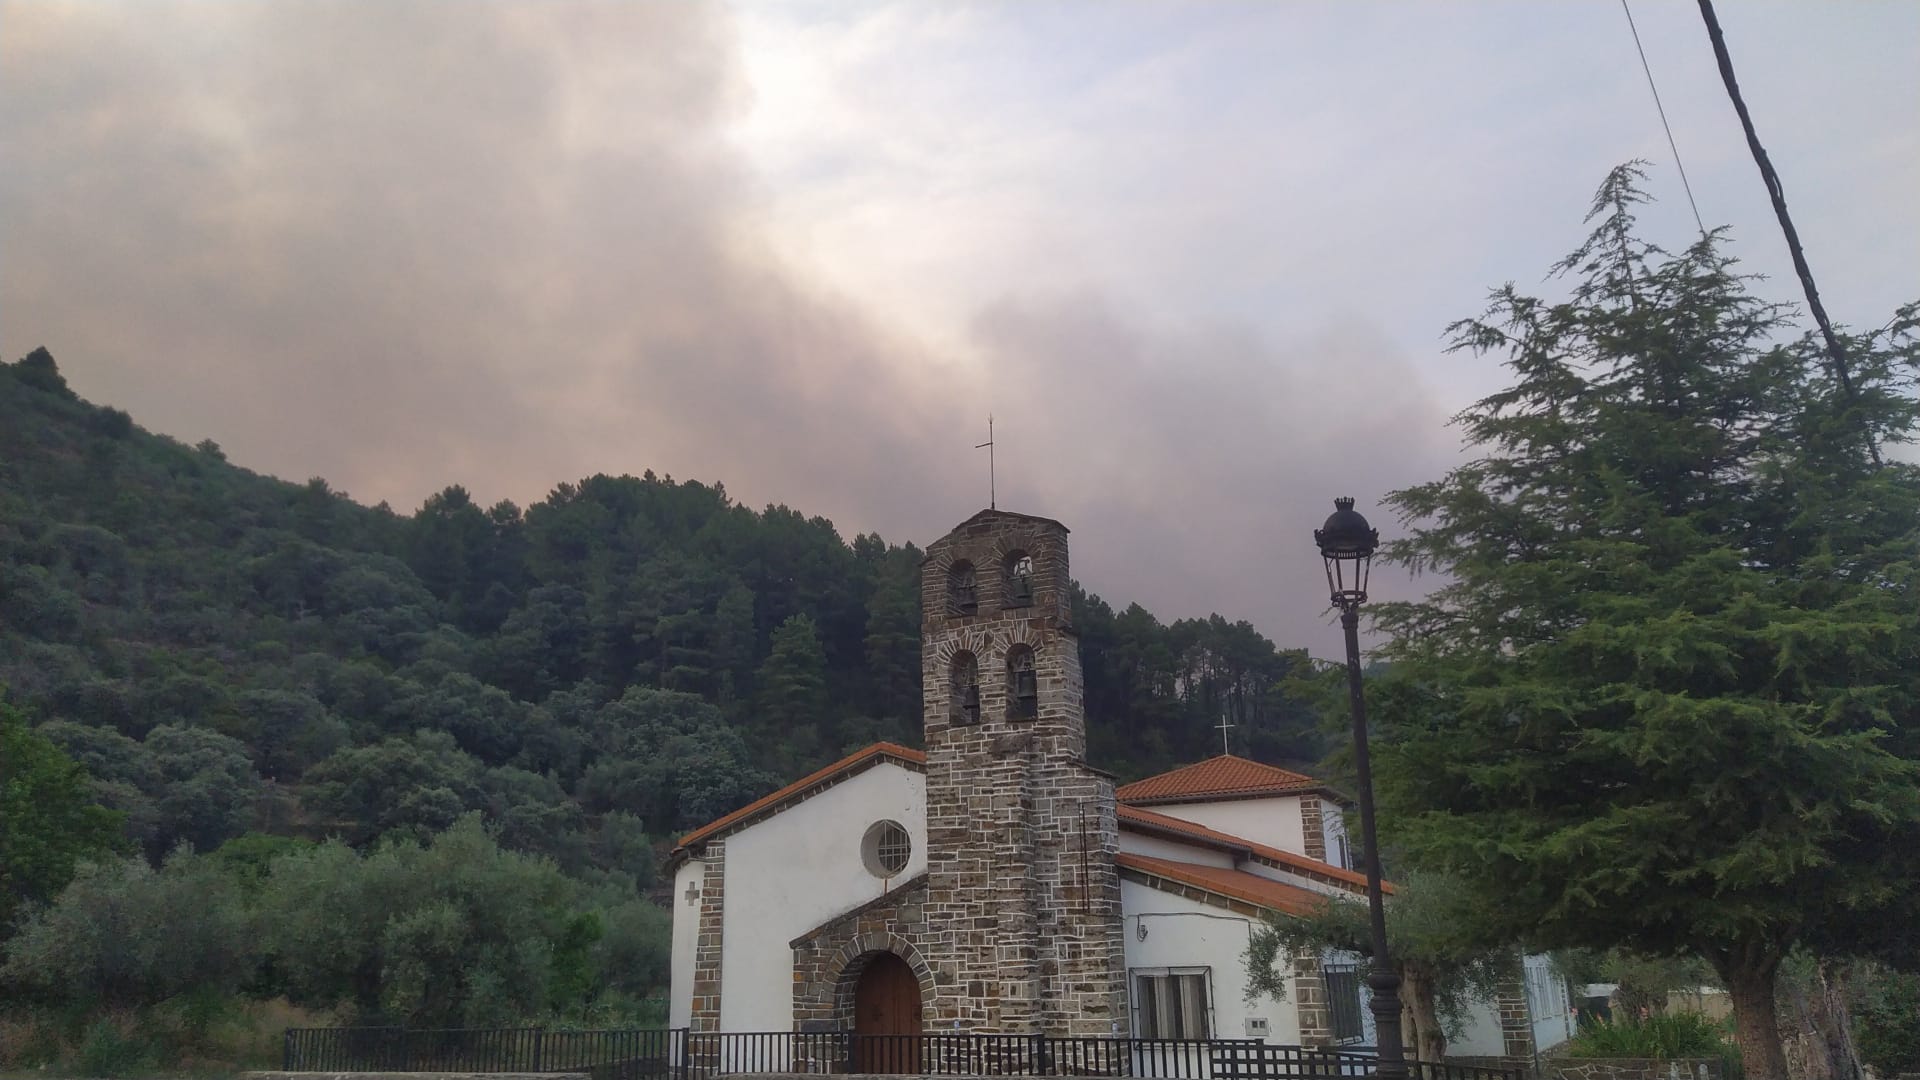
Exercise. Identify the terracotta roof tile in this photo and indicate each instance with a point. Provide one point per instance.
(1236, 884)
(767, 803)
(1222, 777)
(1142, 820)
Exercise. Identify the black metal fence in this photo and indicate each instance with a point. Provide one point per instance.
(609, 1054)
(679, 1054)
(948, 1054)
(1264, 1061)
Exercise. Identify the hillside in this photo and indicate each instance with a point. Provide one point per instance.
(226, 652)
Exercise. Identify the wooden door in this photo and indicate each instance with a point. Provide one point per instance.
(886, 1017)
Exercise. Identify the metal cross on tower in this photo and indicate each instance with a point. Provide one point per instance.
(1225, 725)
(993, 498)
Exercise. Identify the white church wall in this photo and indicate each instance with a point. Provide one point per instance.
(1183, 935)
(1155, 847)
(686, 928)
(1273, 822)
(796, 870)
(1480, 1035)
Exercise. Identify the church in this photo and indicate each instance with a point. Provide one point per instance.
(998, 883)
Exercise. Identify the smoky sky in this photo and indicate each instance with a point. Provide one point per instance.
(505, 245)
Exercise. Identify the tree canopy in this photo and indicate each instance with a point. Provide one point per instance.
(1663, 695)
(49, 821)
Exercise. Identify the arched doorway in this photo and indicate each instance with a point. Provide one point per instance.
(886, 1017)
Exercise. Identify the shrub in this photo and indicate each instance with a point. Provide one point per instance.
(1674, 1035)
(123, 933)
(1887, 1022)
(113, 1047)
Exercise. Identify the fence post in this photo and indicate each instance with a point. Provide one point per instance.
(539, 1049)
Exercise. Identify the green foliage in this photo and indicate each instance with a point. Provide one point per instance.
(1665, 696)
(1673, 1035)
(49, 821)
(122, 933)
(37, 370)
(793, 685)
(112, 1048)
(456, 932)
(1887, 1020)
(1441, 945)
(249, 859)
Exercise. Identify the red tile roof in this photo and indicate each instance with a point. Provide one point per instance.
(1234, 884)
(799, 789)
(1147, 821)
(1222, 777)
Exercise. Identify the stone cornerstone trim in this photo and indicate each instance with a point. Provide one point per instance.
(1314, 827)
(1516, 1023)
(706, 947)
(1310, 1002)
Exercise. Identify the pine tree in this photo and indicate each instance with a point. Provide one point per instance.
(793, 688)
(1665, 698)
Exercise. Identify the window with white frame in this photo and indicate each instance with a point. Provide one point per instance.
(1172, 1003)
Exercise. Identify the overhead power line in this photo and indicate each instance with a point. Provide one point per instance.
(1662, 109)
(1835, 351)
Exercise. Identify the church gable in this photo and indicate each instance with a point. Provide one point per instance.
(798, 792)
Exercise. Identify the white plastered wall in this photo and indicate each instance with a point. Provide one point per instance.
(1134, 843)
(799, 869)
(1274, 822)
(686, 928)
(1480, 1034)
(1183, 933)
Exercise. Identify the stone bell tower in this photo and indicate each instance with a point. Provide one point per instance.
(1023, 903)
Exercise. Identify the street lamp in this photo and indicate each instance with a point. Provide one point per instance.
(1346, 544)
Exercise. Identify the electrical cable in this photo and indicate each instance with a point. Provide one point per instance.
(1835, 351)
(1662, 109)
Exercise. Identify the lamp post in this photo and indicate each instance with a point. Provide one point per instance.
(1346, 545)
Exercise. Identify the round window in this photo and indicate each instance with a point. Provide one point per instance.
(885, 848)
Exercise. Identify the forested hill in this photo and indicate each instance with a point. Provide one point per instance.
(227, 652)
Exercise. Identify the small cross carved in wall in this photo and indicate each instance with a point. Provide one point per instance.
(693, 894)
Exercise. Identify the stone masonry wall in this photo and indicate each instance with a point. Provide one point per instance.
(1023, 899)
(829, 960)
